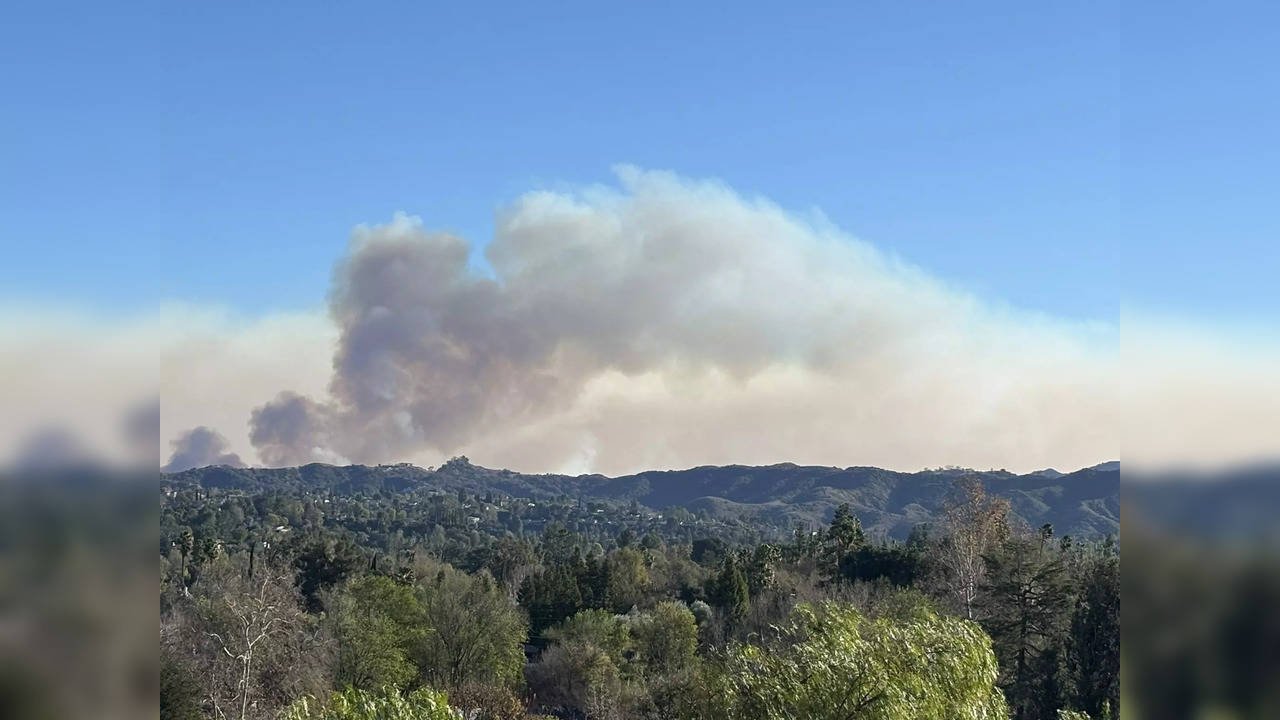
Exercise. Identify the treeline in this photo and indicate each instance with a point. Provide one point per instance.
(976, 617)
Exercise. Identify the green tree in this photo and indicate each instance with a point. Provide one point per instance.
(1094, 644)
(832, 662)
(549, 597)
(728, 590)
(1026, 603)
(508, 560)
(179, 691)
(760, 571)
(595, 627)
(843, 537)
(377, 622)
(186, 546)
(665, 639)
(627, 579)
(323, 564)
(480, 636)
(592, 576)
(558, 544)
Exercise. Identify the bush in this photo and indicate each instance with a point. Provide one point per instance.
(352, 704)
(487, 702)
(577, 676)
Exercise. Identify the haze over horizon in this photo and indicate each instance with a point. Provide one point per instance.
(996, 237)
(666, 322)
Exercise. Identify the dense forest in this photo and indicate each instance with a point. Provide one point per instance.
(766, 500)
(288, 596)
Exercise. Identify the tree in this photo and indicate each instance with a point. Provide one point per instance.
(844, 536)
(627, 579)
(186, 545)
(510, 561)
(665, 639)
(577, 676)
(1050, 682)
(242, 622)
(481, 634)
(974, 523)
(832, 662)
(708, 550)
(759, 571)
(549, 597)
(592, 577)
(1094, 644)
(897, 564)
(558, 544)
(1026, 604)
(377, 623)
(322, 564)
(728, 590)
(594, 627)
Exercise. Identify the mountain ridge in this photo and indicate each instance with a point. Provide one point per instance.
(1084, 503)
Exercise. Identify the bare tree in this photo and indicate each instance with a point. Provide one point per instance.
(973, 522)
(248, 642)
(258, 616)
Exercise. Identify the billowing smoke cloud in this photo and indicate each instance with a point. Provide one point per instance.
(667, 276)
(673, 323)
(664, 323)
(293, 430)
(201, 446)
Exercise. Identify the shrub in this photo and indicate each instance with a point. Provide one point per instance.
(352, 704)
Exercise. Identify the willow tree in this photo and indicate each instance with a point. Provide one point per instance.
(830, 661)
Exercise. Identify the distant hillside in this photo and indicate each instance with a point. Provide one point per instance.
(1236, 505)
(1084, 503)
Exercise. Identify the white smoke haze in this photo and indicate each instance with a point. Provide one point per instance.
(218, 367)
(661, 323)
(669, 323)
(76, 389)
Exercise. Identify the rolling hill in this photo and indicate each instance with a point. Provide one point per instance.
(1084, 503)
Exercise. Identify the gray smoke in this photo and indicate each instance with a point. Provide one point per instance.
(672, 323)
(291, 430)
(198, 447)
(666, 276)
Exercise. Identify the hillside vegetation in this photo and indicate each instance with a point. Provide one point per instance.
(890, 504)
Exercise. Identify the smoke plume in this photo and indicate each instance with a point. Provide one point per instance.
(672, 322)
(199, 447)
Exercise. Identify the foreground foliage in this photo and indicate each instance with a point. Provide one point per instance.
(353, 704)
(830, 661)
(271, 597)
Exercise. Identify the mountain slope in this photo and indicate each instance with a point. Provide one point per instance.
(1083, 504)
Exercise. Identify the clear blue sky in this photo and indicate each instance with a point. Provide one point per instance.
(1075, 158)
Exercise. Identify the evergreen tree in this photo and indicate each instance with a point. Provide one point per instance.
(760, 570)
(549, 597)
(728, 590)
(1094, 650)
(186, 546)
(1026, 603)
(843, 537)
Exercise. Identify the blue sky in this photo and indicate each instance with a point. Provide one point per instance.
(1082, 161)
